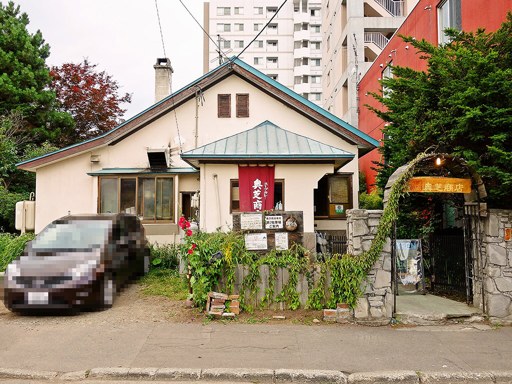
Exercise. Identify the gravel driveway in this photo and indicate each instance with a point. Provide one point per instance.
(130, 306)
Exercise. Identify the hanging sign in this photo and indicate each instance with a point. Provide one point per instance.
(256, 188)
(439, 184)
(281, 241)
(251, 221)
(256, 241)
(409, 261)
(273, 222)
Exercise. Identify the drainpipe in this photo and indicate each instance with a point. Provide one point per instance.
(216, 182)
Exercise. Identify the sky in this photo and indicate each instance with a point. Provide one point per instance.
(123, 38)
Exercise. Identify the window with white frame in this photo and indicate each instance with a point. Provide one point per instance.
(272, 27)
(297, 27)
(239, 43)
(226, 43)
(315, 28)
(272, 60)
(315, 96)
(258, 10)
(223, 11)
(449, 16)
(258, 26)
(297, 62)
(297, 80)
(315, 62)
(315, 79)
(258, 43)
(271, 11)
(221, 27)
(258, 60)
(239, 10)
(272, 43)
(387, 73)
(315, 45)
(315, 12)
(239, 27)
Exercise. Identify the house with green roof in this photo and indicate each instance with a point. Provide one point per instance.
(233, 140)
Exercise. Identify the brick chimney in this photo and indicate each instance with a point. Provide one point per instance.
(163, 76)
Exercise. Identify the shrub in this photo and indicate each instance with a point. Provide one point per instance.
(165, 256)
(370, 200)
(12, 246)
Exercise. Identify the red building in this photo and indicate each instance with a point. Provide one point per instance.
(426, 21)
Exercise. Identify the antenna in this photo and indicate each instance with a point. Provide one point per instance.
(219, 40)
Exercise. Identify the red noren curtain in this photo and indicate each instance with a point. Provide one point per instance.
(256, 188)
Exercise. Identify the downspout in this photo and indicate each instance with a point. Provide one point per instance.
(199, 98)
(216, 182)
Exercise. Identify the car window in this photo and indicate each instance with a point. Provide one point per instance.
(73, 235)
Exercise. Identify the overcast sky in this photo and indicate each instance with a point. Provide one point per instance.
(123, 38)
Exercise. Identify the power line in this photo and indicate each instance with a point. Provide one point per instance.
(169, 76)
(260, 32)
(160, 26)
(205, 32)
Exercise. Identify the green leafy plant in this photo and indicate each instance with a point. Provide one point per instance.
(12, 246)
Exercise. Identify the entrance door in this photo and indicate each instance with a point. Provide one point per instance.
(186, 204)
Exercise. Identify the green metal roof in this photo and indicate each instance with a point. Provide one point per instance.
(267, 141)
(142, 171)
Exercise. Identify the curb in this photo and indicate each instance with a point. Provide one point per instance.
(239, 375)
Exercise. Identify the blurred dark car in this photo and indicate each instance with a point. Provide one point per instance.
(77, 262)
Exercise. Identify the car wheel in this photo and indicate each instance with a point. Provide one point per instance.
(108, 292)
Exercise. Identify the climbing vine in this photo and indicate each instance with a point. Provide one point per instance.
(215, 257)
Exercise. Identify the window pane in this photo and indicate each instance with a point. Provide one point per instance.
(128, 195)
(164, 199)
(338, 190)
(108, 198)
(147, 198)
(235, 196)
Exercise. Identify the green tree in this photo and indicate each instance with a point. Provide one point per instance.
(15, 185)
(25, 78)
(462, 104)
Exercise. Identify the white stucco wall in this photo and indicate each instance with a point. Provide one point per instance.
(65, 186)
(299, 183)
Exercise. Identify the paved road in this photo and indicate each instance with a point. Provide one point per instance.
(81, 343)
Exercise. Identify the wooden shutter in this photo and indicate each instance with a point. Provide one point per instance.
(224, 105)
(242, 105)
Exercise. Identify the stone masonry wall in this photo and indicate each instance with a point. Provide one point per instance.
(497, 264)
(376, 305)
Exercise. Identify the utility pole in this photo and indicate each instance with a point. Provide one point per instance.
(219, 51)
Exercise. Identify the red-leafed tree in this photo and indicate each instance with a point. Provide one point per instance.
(91, 97)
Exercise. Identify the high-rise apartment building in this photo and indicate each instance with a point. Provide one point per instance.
(288, 50)
(354, 33)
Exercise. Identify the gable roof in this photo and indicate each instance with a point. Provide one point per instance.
(267, 142)
(236, 67)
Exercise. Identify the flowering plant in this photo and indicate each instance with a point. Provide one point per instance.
(184, 224)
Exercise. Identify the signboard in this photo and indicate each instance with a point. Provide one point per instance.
(409, 261)
(338, 208)
(273, 222)
(281, 241)
(256, 241)
(508, 234)
(439, 185)
(251, 221)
